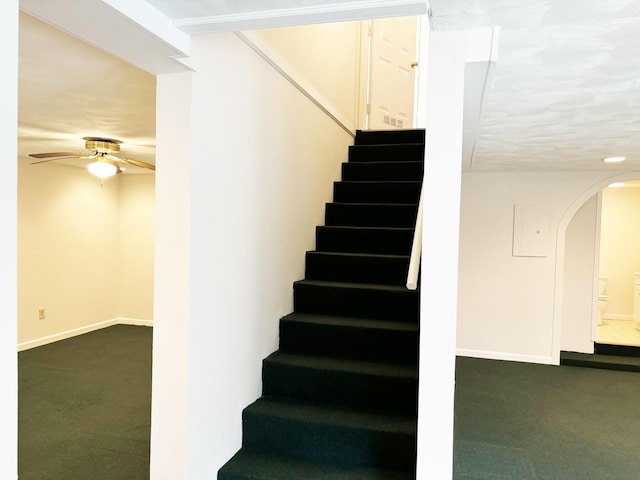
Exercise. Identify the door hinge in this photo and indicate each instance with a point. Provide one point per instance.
(368, 109)
(370, 30)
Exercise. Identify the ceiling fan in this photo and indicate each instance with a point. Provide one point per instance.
(105, 164)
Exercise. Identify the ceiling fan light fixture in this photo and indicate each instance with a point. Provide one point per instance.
(614, 159)
(102, 169)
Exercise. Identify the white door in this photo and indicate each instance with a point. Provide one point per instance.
(392, 73)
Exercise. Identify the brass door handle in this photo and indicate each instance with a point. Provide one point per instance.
(414, 64)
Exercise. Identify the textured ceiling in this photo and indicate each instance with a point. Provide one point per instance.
(69, 90)
(566, 89)
(565, 92)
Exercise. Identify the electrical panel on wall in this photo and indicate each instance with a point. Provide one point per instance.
(530, 231)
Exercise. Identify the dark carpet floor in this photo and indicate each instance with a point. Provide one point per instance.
(85, 414)
(522, 421)
(84, 407)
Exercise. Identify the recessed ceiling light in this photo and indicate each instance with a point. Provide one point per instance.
(614, 159)
(616, 185)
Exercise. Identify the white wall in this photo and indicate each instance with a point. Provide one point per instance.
(263, 163)
(444, 111)
(67, 250)
(619, 251)
(579, 274)
(72, 231)
(171, 278)
(85, 251)
(135, 246)
(506, 303)
(324, 58)
(8, 239)
(262, 159)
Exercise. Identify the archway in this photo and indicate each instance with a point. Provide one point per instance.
(560, 253)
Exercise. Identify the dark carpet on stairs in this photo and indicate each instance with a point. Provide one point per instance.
(339, 398)
(85, 407)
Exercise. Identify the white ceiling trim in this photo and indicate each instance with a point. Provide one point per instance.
(155, 22)
(481, 58)
(152, 45)
(284, 17)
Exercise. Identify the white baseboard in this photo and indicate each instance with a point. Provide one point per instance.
(38, 342)
(616, 316)
(512, 357)
(134, 321)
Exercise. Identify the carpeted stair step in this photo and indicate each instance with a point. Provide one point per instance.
(408, 152)
(620, 350)
(358, 171)
(347, 337)
(373, 137)
(623, 363)
(335, 436)
(357, 267)
(380, 302)
(392, 241)
(341, 382)
(251, 465)
(398, 192)
(340, 395)
(370, 215)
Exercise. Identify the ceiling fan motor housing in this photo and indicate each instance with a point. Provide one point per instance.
(102, 145)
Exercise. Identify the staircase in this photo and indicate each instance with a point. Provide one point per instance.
(340, 395)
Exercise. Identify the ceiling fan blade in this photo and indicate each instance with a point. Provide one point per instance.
(55, 154)
(138, 163)
(53, 159)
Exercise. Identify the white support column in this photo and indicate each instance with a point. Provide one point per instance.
(8, 239)
(439, 282)
(171, 290)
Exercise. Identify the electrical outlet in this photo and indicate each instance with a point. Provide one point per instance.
(41, 314)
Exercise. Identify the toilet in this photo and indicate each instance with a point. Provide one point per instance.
(603, 299)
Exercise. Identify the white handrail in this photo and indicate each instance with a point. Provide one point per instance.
(416, 250)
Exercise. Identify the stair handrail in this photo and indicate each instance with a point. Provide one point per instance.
(416, 249)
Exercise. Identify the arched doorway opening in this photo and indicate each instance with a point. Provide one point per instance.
(561, 246)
